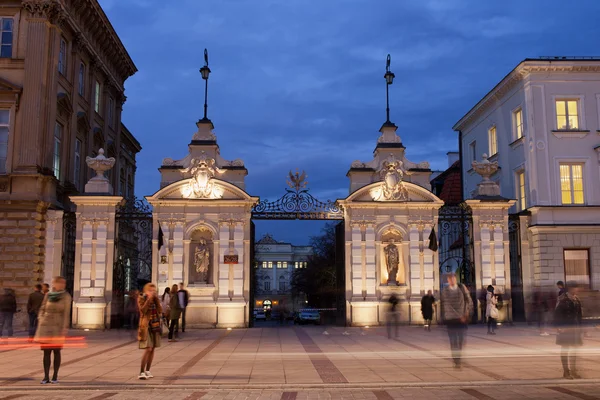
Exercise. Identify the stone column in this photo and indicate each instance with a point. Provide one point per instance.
(54, 245)
(238, 269)
(414, 259)
(178, 264)
(357, 278)
(94, 253)
(370, 266)
(223, 285)
(428, 261)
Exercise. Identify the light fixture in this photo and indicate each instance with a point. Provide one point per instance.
(205, 72)
(389, 79)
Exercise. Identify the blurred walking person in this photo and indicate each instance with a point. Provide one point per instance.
(164, 302)
(567, 318)
(149, 327)
(427, 303)
(393, 317)
(184, 298)
(45, 288)
(33, 308)
(560, 285)
(540, 311)
(174, 313)
(8, 308)
(457, 308)
(53, 325)
(491, 310)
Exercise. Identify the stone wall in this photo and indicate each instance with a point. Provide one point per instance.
(22, 230)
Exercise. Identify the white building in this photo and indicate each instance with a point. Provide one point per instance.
(275, 263)
(541, 123)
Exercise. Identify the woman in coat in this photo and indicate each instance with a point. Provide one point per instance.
(174, 313)
(149, 328)
(491, 310)
(567, 318)
(165, 302)
(53, 324)
(427, 303)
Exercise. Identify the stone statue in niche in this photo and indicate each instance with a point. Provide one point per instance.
(202, 261)
(392, 260)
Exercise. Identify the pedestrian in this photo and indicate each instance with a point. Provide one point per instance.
(568, 318)
(133, 313)
(491, 310)
(174, 314)
(33, 308)
(53, 325)
(149, 329)
(164, 302)
(427, 303)
(561, 288)
(393, 316)
(184, 298)
(45, 288)
(8, 308)
(457, 308)
(540, 311)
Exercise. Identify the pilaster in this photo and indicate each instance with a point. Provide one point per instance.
(54, 244)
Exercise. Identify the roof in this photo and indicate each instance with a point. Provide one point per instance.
(522, 69)
(451, 187)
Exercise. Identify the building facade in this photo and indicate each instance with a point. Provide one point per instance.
(541, 123)
(62, 70)
(275, 263)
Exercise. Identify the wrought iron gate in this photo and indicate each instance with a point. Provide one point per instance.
(68, 253)
(132, 265)
(456, 243)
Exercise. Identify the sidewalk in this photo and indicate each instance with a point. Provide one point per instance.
(294, 357)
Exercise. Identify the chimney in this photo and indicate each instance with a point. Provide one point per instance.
(453, 156)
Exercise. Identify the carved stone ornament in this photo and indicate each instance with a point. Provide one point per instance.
(100, 164)
(50, 9)
(202, 170)
(392, 188)
(486, 169)
(202, 261)
(392, 261)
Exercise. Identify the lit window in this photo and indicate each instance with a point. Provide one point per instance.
(4, 124)
(81, 83)
(97, 97)
(518, 123)
(6, 37)
(285, 264)
(577, 266)
(62, 57)
(473, 151)
(571, 183)
(522, 204)
(296, 264)
(111, 110)
(264, 264)
(77, 166)
(493, 140)
(279, 265)
(566, 115)
(58, 131)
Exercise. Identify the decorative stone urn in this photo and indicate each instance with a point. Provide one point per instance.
(99, 184)
(486, 169)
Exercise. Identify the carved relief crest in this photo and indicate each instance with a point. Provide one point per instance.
(391, 173)
(202, 170)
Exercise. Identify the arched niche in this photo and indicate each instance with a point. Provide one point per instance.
(201, 256)
(392, 236)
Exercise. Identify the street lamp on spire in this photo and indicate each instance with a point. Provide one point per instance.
(389, 79)
(205, 72)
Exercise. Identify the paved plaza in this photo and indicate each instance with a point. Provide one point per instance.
(293, 363)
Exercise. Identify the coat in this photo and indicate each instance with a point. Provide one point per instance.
(145, 315)
(427, 306)
(54, 319)
(567, 318)
(8, 302)
(175, 307)
(34, 303)
(491, 301)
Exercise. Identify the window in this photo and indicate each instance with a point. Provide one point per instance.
(282, 286)
(264, 264)
(566, 115)
(4, 124)
(267, 264)
(111, 115)
(571, 183)
(77, 167)
(473, 151)
(577, 266)
(6, 38)
(493, 140)
(267, 285)
(97, 97)
(285, 265)
(58, 131)
(62, 57)
(281, 264)
(522, 203)
(518, 123)
(81, 83)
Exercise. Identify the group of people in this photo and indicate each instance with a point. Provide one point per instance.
(457, 310)
(8, 309)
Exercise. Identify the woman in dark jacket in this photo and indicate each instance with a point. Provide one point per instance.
(174, 313)
(567, 318)
(427, 303)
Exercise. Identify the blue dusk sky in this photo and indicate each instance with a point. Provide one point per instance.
(298, 84)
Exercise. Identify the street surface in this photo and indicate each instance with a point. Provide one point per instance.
(297, 363)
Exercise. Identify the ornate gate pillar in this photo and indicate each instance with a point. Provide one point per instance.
(94, 249)
(490, 236)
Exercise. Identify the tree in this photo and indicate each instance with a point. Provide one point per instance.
(318, 280)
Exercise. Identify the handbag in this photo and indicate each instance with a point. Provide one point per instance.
(494, 313)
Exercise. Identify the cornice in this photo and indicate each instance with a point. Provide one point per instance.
(517, 75)
(51, 10)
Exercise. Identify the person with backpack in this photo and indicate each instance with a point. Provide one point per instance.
(456, 310)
